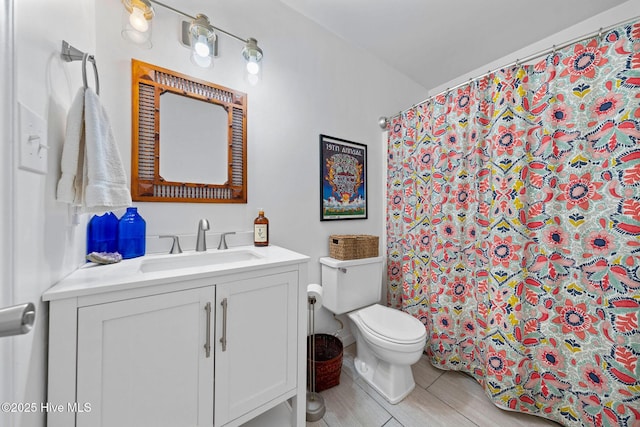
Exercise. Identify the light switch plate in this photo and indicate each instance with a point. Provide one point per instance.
(33, 141)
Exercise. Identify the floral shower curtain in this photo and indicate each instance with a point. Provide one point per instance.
(513, 230)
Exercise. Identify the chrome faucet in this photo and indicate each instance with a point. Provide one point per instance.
(201, 242)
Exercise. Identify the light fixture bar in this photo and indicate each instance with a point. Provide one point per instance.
(226, 33)
(186, 15)
(166, 6)
(198, 34)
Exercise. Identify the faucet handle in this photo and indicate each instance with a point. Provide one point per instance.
(223, 240)
(175, 247)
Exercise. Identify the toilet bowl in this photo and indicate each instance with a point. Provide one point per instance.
(388, 341)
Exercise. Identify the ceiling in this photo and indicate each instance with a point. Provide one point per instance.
(433, 42)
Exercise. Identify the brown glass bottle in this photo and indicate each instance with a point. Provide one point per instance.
(261, 230)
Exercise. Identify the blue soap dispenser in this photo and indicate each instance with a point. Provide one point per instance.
(102, 233)
(131, 234)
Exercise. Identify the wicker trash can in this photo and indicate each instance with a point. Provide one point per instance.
(328, 363)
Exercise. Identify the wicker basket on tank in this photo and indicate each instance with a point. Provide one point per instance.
(352, 246)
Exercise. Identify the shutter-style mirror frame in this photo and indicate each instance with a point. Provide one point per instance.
(147, 84)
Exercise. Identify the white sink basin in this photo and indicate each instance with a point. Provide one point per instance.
(197, 259)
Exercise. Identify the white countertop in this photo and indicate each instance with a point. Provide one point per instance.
(93, 278)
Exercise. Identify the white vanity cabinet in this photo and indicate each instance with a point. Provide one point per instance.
(142, 361)
(256, 362)
(205, 346)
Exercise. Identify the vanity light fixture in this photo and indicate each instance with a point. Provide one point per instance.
(253, 55)
(198, 34)
(137, 19)
(202, 39)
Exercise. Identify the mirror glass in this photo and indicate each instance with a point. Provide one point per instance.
(193, 140)
(189, 138)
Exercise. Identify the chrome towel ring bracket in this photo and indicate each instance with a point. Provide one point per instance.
(70, 54)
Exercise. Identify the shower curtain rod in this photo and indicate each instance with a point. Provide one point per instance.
(384, 121)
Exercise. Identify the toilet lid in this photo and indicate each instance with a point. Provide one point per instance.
(391, 324)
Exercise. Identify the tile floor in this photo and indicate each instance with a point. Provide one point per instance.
(441, 398)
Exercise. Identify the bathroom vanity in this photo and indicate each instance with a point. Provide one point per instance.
(213, 338)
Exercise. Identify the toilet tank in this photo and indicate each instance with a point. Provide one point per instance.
(351, 284)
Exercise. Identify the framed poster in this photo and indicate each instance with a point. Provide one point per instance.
(343, 179)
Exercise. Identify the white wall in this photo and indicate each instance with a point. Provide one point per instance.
(311, 85)
(46, 246)
(623, 12)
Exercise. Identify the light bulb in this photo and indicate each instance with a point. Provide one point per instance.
(252, 66)
(253, 55)
(253, 79)
(137, 20)
(202, 47)
(137, 37)
(202, 61)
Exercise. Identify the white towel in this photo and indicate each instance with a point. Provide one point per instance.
(93, 177)
(106, 185)
(71, 166)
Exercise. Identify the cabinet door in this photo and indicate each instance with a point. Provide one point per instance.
(142, 362)
(258, 362)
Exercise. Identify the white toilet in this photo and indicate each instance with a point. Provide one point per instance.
(388, 341)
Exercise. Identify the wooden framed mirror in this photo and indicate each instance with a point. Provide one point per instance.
(189, 138)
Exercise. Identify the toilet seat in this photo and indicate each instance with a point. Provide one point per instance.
(391, 325)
